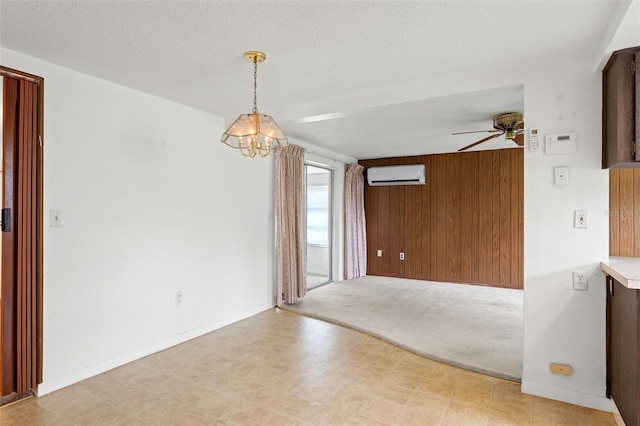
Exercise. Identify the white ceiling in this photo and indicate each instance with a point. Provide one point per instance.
(411, 128)
(191, 52)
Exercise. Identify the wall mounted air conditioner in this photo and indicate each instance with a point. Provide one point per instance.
(412, 174)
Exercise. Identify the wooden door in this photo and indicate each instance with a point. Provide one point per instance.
(636, 73)
(619, 99)
(622, 352)
(21, 302)
(9, 137)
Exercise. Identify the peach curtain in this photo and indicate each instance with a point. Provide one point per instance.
(355, 226)
(291, 225)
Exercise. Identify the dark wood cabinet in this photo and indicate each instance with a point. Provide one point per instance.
(621, 110)
(623, 341)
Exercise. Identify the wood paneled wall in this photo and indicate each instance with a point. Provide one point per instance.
(624, 212)
(465, 225)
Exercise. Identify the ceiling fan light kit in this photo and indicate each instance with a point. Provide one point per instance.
(508, 120)
(510, 124)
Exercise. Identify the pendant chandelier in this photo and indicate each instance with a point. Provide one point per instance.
(254, 134)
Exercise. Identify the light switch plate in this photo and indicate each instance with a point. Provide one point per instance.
(581, 219)
(55, 217)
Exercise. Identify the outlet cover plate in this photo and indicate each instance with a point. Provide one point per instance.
(561, 176)
(580, 281)
(581, 219)
(55, 217)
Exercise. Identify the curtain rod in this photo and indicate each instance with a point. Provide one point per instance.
(324, 156)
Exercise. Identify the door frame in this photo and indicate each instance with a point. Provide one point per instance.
(8, 321)
(331, 231)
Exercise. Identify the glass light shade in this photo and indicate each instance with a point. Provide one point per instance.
(254, 134)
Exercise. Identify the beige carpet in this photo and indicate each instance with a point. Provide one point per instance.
(469, 326)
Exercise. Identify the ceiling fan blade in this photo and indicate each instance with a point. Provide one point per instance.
(477, 131)
(519, 139)
(480, 141)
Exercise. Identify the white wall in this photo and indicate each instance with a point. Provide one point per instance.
(563, 325)
(152, 203)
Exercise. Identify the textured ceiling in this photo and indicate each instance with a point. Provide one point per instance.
(191, 52)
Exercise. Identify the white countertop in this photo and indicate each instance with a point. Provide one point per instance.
(625, 270)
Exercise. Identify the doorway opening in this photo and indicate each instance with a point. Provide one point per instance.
(319, 195)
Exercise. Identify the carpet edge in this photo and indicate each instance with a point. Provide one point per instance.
(492, 373)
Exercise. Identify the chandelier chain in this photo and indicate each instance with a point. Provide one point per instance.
(255, 84)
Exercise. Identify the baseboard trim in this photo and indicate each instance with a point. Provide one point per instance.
(572, 397)
(52, 385)
(617, 416)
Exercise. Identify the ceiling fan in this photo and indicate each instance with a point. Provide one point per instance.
(510, 124)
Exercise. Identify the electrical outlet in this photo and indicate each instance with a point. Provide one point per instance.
(379, 253)
(580, 280)
(401, 256)
(179, 297)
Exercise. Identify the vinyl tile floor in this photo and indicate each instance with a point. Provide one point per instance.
(280, 368)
